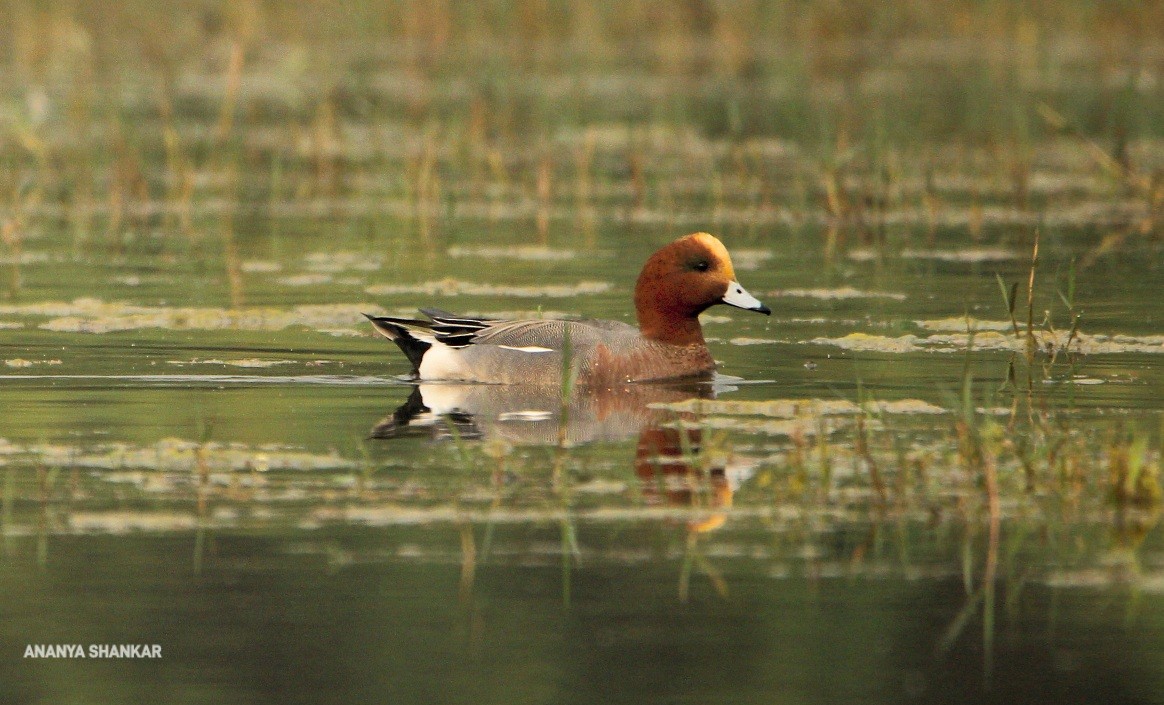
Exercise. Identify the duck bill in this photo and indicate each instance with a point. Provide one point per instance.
(739, 297)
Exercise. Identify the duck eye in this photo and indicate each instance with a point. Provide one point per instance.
(701, 266)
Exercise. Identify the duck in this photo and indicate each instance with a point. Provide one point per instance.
(677, 283)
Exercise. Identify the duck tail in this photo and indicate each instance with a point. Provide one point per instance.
(408, 334)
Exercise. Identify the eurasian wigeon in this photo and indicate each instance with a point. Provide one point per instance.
(677, 283)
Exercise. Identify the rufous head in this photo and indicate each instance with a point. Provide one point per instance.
(682, 280)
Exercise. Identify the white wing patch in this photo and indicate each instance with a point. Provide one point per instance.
(527, 348)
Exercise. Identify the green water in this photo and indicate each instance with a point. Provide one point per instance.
(881, 498)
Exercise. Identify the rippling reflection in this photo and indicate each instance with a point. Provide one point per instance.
(671, 461)
(535, 415)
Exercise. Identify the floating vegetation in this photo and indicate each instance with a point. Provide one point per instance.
(796, 408)
(260, 267)
(714, 318)
(970, 255)
(961, 324)
(88, 315)
(749, 260)
(130, 522)
(454, 287)
(333, 262)
(742, 340)
(21, 363)
(840, 294)
(527, 253)
(1077, 379)
(172, 455)
(25, 258)
(864, 342)
(1047, 341)
(250, 362)
(305, 280)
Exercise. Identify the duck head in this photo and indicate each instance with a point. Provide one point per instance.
(682, 280)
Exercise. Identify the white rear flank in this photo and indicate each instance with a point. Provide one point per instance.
(442, 362)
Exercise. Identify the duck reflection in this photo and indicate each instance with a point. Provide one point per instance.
(671, 458)
(676, 463)
(674, 470)
(538, 416)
